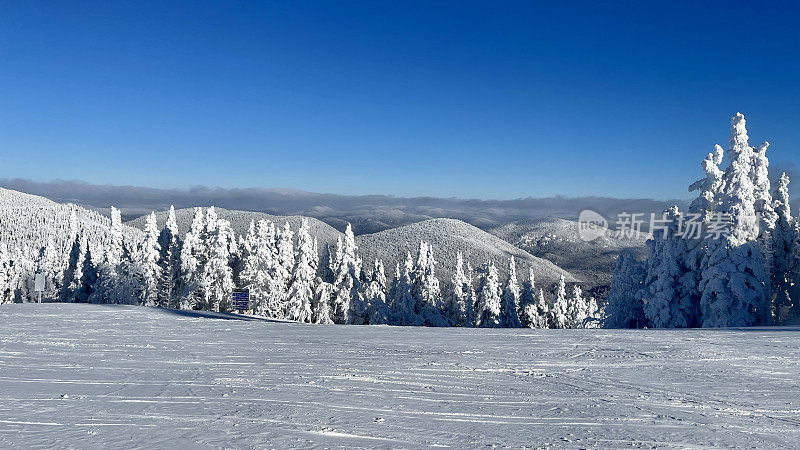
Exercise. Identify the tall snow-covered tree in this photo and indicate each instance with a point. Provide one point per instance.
(284, 264)
(403, 305)
(578, 310)
(259, 269)
(672, 301)
(6, 291)
(489, 294)
(301, 289)
(73, 272)
(194, 255)
(148, 257)
(559, 308)
(378, 312)
(88, 278)
(710, 187)
(427, 294)
(169, 262)
(320, 309)
(782, 241)
(218, 274)
(48, 265)
(509, 315)
(763, 206)
(735, 286)
(458, 294)
(349, 306)
(625, 308)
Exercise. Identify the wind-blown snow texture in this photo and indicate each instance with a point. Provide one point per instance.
(124, 376)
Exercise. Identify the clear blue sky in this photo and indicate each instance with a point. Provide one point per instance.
(466, 99)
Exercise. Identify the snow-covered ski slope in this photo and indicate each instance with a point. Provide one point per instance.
(86, 376)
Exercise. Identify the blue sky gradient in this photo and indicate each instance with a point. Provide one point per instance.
(466, 99)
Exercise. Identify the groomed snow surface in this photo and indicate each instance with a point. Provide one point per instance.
(88, 376)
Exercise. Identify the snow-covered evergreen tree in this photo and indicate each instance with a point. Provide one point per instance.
(710, 187)
(735, 286)
(349, 306)
(259, 269)
(534, 308)
(301, 288)
(459, 295)
(426, 292)
(672, 302)
(403, 305)
(88, 278)
(782, 241)
(73, 272)
(283, 267)
(378, 312)
(559, 307)
(218, 275)
(578, 310)
(194, 255)
(488, 309)
(625, 308)
(6, 292)
(169, 262)
(509, 315)
(320, 309)
(763, 206)
(148, 257)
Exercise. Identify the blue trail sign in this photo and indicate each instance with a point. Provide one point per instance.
(241, 299)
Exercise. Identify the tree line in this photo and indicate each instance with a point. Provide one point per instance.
(282, 270)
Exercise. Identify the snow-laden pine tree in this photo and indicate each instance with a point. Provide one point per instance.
(762, 191)
(426, 292)
(284, 264)
(782, 241)
(734, 285)
(169, 262)
(509, 315)
(458, 294)
(404, 311)
(88, 278)
(72, 274)
(710, 187)
(670, 280)
(578, 310)
(193, 259)
(349, 306)
(147, 259)
(593, 319)
(378, 312)
(488, 310)
(218, 274)
(259, 266)
(320, 309)
(109, 286)
(624, 307)
(301, 287)
(559, 308)
(6, 293)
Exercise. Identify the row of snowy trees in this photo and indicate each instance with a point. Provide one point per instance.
(749, 275)
(283, 274)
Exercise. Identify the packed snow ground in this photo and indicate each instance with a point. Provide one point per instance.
(124, 376)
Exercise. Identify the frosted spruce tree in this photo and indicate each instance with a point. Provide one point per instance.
(194, 255)
(378, 312)
(459, 295)
(559, 308)
(301, 288)
(509, 316)
(349, 306)
(320, 309)
(578, 310)
(624, 307)
(782, 242)
(6, 292)
(762, 191)
(218, 275)
(282, 270)
(110, 282)
(404, 311)
(88, 278)
(259, 267)
(148, 257)
(426, 291)
(73, 274)
(488, 311)
(169, 262)
(670, 280)
(734, 285)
